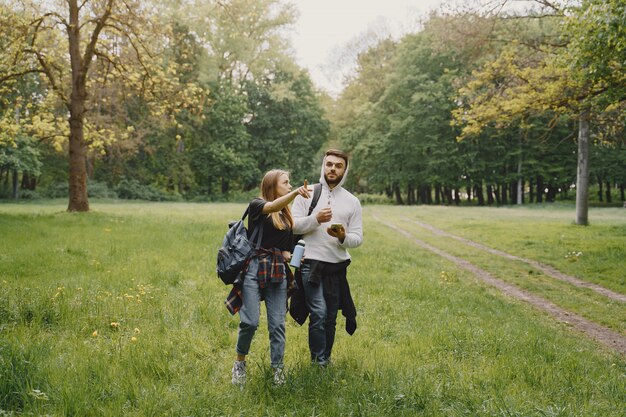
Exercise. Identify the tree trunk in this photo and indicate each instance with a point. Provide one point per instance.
(28, 182)
(424, 193)
(513, 192)
(609, 198)
(600, 193)
(15, 191)
(437, 194)
(582, 177)
(225, 186)
(410, 194)
(490, 195)
(496, 194)
(520, 180)
(540, 188)
(448, 195)
(78, 147)
(622, 192)
(478, 192)
(398, 194)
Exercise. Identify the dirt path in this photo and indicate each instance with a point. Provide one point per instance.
(603, 335)
(546, 269)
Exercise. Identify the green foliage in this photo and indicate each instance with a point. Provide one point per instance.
(131, 189)
(508, 87)
(598, 45)
(286, 124)
(219, 150)
(100, 190)
(368, 199)
(21, 156)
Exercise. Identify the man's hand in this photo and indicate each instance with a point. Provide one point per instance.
(324, 215)
(339, 233)
(286, 255)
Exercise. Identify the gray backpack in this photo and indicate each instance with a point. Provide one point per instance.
(236, 249)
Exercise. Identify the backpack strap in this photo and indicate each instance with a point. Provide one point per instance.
(317, 192)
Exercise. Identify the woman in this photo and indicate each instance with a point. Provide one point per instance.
(265, 276)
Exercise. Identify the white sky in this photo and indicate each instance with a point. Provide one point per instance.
(327, 26)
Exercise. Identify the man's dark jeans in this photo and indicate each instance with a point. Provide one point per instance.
(323, 304)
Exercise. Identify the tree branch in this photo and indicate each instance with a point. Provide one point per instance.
(91, 46)
(20, 74)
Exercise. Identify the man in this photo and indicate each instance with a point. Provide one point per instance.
(334, 225)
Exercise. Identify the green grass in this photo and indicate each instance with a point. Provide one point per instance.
(545, 233)
(432, 341)
(593, 239)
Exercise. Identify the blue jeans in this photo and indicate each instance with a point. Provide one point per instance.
(322, 317)
(275, 296)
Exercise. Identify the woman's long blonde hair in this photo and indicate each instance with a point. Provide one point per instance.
(269, 186)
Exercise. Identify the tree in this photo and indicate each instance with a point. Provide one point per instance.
(19, 157)
(356, 126)
(534, 75)
(109, 41)
(286, 124)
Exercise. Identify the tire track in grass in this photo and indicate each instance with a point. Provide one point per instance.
(546, 269)
(601, 334)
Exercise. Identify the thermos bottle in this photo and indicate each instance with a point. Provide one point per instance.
(298, 251)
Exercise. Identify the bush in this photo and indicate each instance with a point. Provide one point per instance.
(97, 189)
(374, 199)
(29, 195)
(134, 190)
(56, 190)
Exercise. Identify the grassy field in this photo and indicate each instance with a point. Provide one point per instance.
(594, 254)
(119, 312)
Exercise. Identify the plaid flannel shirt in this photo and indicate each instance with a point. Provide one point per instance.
(272, 269)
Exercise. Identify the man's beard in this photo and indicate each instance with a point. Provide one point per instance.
(334, 182)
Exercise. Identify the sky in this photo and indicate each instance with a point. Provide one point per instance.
(325, 27)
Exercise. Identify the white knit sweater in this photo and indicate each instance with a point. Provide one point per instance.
(346, 208)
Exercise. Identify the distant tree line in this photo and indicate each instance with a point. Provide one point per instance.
(196, 101)
(157, 100)
(492, 108)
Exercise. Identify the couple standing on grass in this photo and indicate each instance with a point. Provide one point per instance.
(321, 288)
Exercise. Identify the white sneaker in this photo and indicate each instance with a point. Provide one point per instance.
(239, 373)
(279, 376)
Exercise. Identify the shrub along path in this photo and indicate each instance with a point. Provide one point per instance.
(602, 334)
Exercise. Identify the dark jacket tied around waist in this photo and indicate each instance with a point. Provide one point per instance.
(324, 272)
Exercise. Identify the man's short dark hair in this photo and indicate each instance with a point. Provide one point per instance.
(338, 154)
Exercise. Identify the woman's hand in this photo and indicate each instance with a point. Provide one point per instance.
(282, 201)
(303, 190)
(286, 255)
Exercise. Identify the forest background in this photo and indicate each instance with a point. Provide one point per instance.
(195, 100)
